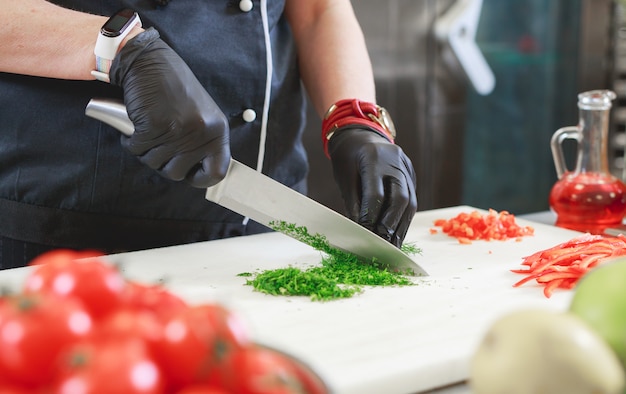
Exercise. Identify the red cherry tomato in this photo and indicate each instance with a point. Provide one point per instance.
(198, 338)
(9, 389)
(63, 255)
(100, 286)
(153, 298)
(200, 389)
(104, 366)
(127, 323)
(33, 331)
(261, 370)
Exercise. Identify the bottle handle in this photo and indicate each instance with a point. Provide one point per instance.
(556, 144)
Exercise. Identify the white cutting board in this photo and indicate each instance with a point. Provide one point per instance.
(385, 340)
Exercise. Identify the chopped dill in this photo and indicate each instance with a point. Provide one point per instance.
(340, 275)
(410, 248)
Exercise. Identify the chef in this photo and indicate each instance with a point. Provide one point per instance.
(202, 81)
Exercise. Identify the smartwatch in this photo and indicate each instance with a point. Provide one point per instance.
(109, 39)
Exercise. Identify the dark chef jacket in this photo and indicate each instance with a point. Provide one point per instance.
(65, 180)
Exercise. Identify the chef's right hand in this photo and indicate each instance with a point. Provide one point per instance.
(179, 130)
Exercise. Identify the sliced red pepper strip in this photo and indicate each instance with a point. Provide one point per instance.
(551, 286)
(551, 276)
(563, 265)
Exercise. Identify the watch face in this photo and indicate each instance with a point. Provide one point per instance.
(386, 119)
(118, 23)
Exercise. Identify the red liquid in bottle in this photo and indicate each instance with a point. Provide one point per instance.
(588, 202)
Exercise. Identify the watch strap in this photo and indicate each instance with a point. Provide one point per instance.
(103, 66)
(106, 48)
(353, 112)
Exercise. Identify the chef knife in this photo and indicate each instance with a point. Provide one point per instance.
(242, 186)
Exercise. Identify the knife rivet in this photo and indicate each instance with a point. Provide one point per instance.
(249, 115)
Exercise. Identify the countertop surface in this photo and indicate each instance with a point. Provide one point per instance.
(385, 340)
(544, 217)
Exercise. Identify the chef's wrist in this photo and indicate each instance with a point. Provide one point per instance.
(116, 31)
(355, 113)
(106, 67)
(133, 33)
(134, 48)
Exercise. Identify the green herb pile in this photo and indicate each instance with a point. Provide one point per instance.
(340, 275)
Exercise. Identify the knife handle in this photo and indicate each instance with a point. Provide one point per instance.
(112, 112)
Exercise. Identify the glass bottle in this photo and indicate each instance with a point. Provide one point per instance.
(589, 198)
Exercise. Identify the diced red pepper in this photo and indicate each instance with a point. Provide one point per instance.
(493, 225)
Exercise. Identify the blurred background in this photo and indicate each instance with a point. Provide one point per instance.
(473, 143)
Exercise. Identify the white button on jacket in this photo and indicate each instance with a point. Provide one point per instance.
(249, 115)
(245, 5)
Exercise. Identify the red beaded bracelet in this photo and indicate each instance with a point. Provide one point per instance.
(350, 112)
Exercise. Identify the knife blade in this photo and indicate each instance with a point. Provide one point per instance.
(242, 186)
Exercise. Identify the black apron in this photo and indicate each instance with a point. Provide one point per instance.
(65, 180)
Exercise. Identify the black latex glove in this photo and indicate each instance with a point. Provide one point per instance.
(377, 182)
(179, 129)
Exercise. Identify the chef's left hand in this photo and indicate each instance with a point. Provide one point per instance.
(377, 181)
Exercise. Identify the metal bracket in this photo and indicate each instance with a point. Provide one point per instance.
(457, 27)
